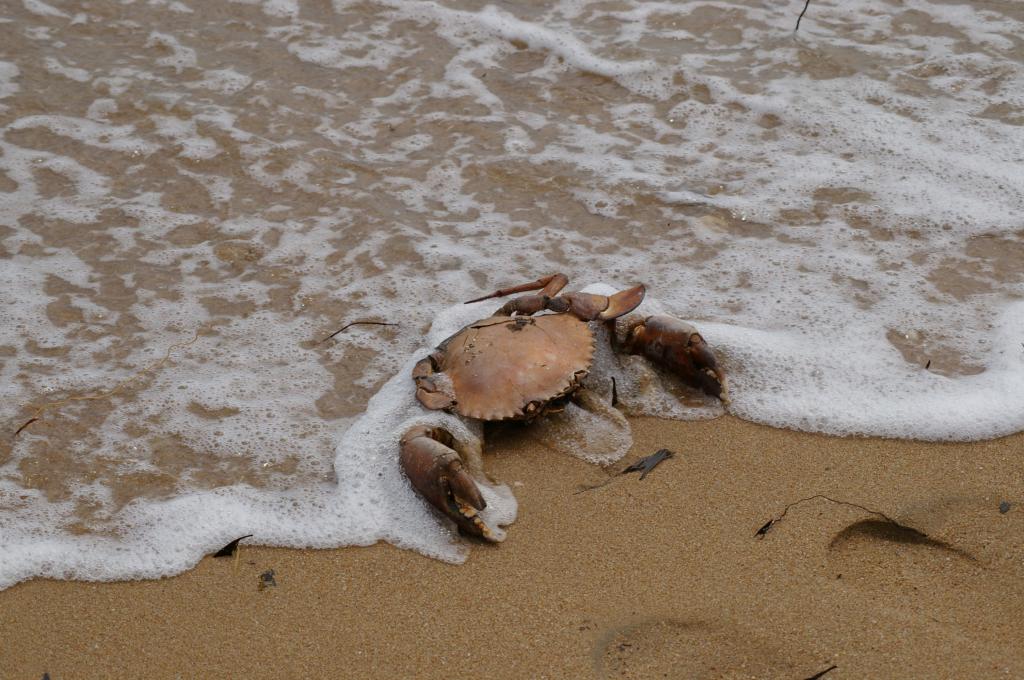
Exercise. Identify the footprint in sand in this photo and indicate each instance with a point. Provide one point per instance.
(671, 648)
(893, 540)
(947, 547)
(946, 539)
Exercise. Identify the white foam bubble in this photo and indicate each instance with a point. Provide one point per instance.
(93, 133)
(8, 74)
(42, 9)
(77, 74)
(226, 81)
(192, 144)
(178, 56)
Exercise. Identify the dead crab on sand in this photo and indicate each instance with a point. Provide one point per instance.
(518, 366)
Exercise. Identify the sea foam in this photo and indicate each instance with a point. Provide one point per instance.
(194, 200)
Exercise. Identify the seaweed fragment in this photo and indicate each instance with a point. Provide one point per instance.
(355, 323)
(648, 463)
(230, 548)
(821, 674)
(643, 466)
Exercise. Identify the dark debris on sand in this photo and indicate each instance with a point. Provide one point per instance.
(266, 580)
(821, 674)
(230, 548)
(645, 465)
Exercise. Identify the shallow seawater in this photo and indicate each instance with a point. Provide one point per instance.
(194, 195)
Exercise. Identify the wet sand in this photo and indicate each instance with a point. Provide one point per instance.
(656, 578)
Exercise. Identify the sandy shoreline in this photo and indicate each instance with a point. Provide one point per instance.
(659, 578)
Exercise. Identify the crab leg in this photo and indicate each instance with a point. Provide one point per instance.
(678, 347)
(437, 472)
(585, 306)
(547, 285)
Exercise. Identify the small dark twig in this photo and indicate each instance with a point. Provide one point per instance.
(29, 422)
(760, 533)
(615, 393)
(928, 365)
(356, 323)
(806, 5)
(821, 674)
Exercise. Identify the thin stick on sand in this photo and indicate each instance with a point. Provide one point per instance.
(775, 520)
(802, 13)
(356, 323)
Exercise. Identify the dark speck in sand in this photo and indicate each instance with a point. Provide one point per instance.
(46, 676)
(266, 580)
(1004, 507)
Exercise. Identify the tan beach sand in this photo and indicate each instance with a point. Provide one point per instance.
(656, 578)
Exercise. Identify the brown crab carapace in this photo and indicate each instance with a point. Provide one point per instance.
(517, 366)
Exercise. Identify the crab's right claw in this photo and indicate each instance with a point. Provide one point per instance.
(712, 380)
(678, 347)
(437, 473)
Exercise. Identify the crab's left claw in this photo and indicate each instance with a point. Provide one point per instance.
(677, 346)
(430, 392)
(436, 471)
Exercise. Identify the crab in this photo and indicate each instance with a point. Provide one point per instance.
(520, 364)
